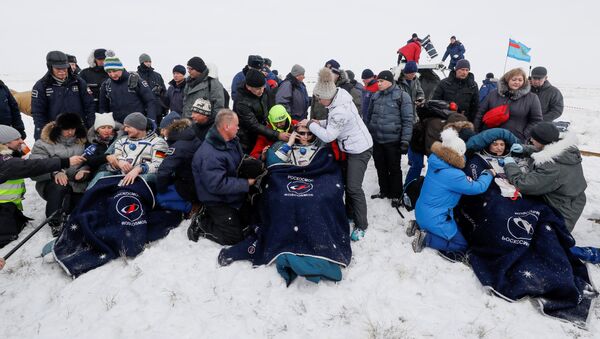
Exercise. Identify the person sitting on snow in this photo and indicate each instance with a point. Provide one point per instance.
(444, 184)
(140, 152)
(555, 173)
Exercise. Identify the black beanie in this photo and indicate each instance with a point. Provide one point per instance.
(545, 133)
(386, 75)
(255, 78)
(198, 64)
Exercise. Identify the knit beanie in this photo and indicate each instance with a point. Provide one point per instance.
(367, 74)
(545, 133)
(104, 119)
(179, 69)
(451, 140)
(386, 75)
(136, 120)
(297, 70)
(463, 63)
(198, 64)
(144, 57)
(202, 106)
(325, 87)
(112, 63)
(410, 67)
(168, 119)
(8, 134)
(255, 78)
(334, 66)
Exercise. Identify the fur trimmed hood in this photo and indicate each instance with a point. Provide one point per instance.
(563, 151)
(459, 125)
(4, 150)
(521, 92)
(448, 155)
(51, 134)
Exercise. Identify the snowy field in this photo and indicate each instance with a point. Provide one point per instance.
(175, 288)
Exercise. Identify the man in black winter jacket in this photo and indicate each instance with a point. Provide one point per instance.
(95, 75)
(155, 82)
(252, 105)
(550, 97)
(9, 110)
(460, 87)
(124, 93)
(58, 91)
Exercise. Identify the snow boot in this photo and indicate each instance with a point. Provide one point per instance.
(195, 230)
(419, 242)
(379, 196)
(396, 202)
(357, 234)
(412, 228)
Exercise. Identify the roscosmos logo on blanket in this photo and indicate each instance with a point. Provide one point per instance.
(298, 186)
(129, 206)
(521, 227)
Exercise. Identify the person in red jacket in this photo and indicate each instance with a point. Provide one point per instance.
(411, 51)
(279, 120)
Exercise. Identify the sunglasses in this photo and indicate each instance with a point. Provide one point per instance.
(307, 134)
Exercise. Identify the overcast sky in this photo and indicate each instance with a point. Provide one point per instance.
(563, 36)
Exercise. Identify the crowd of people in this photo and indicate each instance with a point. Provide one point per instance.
(189, 145)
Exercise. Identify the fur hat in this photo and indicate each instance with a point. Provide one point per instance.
(202, 106)
(104, 119)
(545, 133)
(112, 63)
(136, 120)
(8, 134)
(463, 63)
(451, 140)
(255, 61)
(325, 87)
(72, 58)
(297, 70)
(67, 121)
(57, 59)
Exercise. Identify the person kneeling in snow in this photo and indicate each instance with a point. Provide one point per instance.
(444, 184)
(556, 172)
(140, 152)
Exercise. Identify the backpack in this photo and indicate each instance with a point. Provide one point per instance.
(411, 193)
(496, 116)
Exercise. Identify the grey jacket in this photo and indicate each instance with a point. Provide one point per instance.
(551, 100)
(45, 148)
(524, 107)
(293, 96)
(391, 116)
(557, 175)
(204, 87)
(414, 90)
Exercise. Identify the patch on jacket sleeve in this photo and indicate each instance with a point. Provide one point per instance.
(171, 151)
(160, 154)
(144, 83)
(34, 93)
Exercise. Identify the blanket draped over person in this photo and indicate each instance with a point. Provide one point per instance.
(521, 248)
(302, 214)
(111, 221)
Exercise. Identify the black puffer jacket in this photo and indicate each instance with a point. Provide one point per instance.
(94, 76)
(464, 92)
(253, 112)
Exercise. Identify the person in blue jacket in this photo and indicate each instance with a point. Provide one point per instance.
(455, 50)
(124, 93)
(60, 91)
(444, 184)
(489, 85)
(219, 189)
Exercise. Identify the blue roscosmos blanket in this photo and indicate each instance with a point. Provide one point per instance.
(302, 213)
(521, 249)
(111, 221)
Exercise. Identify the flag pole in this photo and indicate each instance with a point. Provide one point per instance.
(506, 60)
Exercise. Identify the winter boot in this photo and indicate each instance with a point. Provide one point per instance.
(379, 196)
(412, 228)
(396, 202)
(419, 242)
(357, 234)
(195, 230)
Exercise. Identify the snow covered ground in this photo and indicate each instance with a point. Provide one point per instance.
(175, 288)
